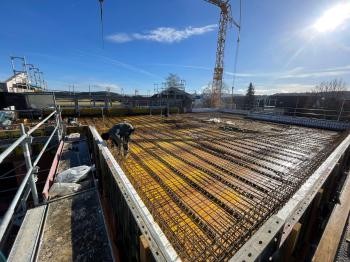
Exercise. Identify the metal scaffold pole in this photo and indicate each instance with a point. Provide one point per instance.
(26, 153)
(341, 110)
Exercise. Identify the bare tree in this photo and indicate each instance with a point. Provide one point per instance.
(208, 91)
(331, 88)
(330, 94)
(206, 96)
(173, 80)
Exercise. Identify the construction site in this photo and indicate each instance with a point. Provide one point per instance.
(198, 187)
(97, 175)
(211, 180)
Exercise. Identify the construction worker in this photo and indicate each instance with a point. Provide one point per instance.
(120, 136)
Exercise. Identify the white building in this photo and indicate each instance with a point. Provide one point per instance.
(18, 84)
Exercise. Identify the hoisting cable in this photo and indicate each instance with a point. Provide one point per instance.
(237, 46)
(101, 20)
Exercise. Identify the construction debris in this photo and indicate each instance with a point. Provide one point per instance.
(7, 117)
(74, 174)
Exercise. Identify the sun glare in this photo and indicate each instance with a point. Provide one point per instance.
(333, 18)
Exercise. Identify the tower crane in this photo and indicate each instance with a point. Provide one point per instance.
(225, 19)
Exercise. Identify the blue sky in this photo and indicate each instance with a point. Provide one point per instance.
(281, 49)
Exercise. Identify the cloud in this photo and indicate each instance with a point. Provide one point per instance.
(263, 89)
(162, 34)
(327, 72)
(119, 38)
(284, 88)
(343, 47)
(106, 85)
(297, 73)
(294, 73)
(181, 66)
(118, 63)
(83, 86)
(129, 67)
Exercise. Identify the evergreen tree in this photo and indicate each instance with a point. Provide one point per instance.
(250, 97)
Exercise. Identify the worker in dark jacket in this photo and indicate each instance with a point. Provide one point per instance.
(120, 136)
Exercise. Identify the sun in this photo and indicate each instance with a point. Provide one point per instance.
(333, 18)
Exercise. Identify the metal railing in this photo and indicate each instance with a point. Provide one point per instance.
(28, 182)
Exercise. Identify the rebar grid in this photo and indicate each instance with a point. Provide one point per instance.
(209, 185)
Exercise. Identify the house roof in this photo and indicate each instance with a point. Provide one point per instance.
(13, 77)
(175, 90)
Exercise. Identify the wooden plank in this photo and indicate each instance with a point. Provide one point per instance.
(291, 242)
(74, 230)
(50, 177)
(310, 225)
(348, 233)
(329, 242)
(145, 251)
(348, 236)
(24, 247)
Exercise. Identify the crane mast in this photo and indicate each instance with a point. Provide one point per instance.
(225, 19)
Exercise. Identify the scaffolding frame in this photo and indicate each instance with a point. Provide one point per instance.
(28, 183)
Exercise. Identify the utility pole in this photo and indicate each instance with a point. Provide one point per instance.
(232, 96)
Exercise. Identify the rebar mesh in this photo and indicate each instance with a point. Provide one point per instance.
(211, 184)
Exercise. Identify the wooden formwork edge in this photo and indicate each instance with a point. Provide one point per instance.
(329, 243)
(276, 229)
(160, 246)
